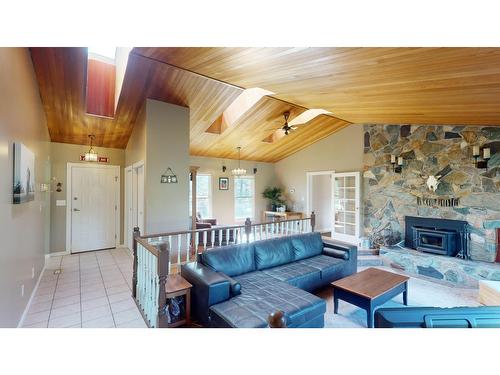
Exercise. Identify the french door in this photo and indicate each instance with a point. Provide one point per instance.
(346, 202)
(93, 207)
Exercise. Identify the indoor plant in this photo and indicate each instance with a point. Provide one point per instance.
(274, 196)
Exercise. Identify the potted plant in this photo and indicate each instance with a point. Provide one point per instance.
(274, 194)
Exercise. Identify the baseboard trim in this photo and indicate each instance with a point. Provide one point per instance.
(33, 293)
(58, 254)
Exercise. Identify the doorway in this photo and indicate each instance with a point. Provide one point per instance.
(134, 201)
(319, 199)
(335, 199)
(93, 209)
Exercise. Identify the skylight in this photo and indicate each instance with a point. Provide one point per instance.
(307, 116)
(103, 53)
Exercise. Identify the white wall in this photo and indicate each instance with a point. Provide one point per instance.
(342, 152)
(321, 201)
(223, 200)
(24, 227)
(167, 145)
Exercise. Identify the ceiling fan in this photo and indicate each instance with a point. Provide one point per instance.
(287, 128)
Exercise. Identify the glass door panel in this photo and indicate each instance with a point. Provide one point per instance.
(346, 198)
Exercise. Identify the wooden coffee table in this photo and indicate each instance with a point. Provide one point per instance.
(369, 289)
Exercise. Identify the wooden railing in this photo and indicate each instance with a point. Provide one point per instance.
(157, 255)
(148, 280)
(184, 246)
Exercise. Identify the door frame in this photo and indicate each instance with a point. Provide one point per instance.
(309, 187)
(69, 175)
(129, 213)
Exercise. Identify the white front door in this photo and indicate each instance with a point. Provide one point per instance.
(94, 205)
(346, 201)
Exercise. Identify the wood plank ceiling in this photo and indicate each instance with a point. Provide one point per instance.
(362, 85)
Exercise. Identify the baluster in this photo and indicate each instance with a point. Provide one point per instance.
(162, 272)
(169, 242)
(254, 233)
(227, 237)
(282, 227)
(205, 235)
(212, 239)
(189, 245)
(179, 242)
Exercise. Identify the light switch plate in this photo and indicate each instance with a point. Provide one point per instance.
(61, 202)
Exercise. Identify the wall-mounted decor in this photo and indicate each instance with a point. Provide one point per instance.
(399, 161)
(478, 162)
(442, 202)
(168, 177)
(24, 174)
(223, 183)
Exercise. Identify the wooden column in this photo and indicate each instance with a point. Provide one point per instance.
(163, 259)
(137, 233)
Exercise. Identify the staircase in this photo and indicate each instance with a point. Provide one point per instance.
(369, 258)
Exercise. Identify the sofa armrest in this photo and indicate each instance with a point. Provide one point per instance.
(235, 286)
(209, 288)
(209, 221)
(342, 250)
(203, 225)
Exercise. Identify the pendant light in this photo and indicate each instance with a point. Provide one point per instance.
(91, 154)
(239, 171)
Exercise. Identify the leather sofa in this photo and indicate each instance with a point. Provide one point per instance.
(437, 317)
(240, 285)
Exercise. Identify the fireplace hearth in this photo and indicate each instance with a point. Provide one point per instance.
(437, 236)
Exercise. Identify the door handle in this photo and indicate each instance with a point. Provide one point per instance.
(76, 209)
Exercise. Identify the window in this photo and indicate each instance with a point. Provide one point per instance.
(203, 195)
(244, 197)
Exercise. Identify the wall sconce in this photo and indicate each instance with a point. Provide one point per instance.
(168, 177)
(399, 161)
(59, 187)
(476, 153)
(224, 168)
(255, 171)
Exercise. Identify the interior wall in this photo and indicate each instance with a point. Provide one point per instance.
(136, 146)
(223, 200)
(24, 226)
(321, 201)
(61, 155)
(342, 152)
(167, 135)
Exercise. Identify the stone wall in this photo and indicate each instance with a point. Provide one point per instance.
(430, 150)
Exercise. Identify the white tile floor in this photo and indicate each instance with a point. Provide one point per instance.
(93, 290)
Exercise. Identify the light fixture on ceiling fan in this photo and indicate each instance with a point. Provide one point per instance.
(287, 128)
(239, 171)
(91, 154)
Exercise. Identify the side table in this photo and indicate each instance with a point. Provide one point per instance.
(178, 286)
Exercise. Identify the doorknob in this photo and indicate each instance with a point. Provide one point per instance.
(76, 209)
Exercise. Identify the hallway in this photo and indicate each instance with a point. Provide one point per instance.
(93, 290)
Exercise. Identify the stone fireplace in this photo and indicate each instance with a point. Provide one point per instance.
(464, 193)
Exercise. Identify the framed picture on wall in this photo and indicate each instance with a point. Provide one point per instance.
(223, 183)
(24, 174)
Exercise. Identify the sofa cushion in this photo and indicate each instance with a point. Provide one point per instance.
(307, 245)
(295, 274)
(272, 253)
(262, 295)
(232, 260)
(330, 268)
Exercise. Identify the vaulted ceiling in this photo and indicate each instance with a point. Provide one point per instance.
(357, 85)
